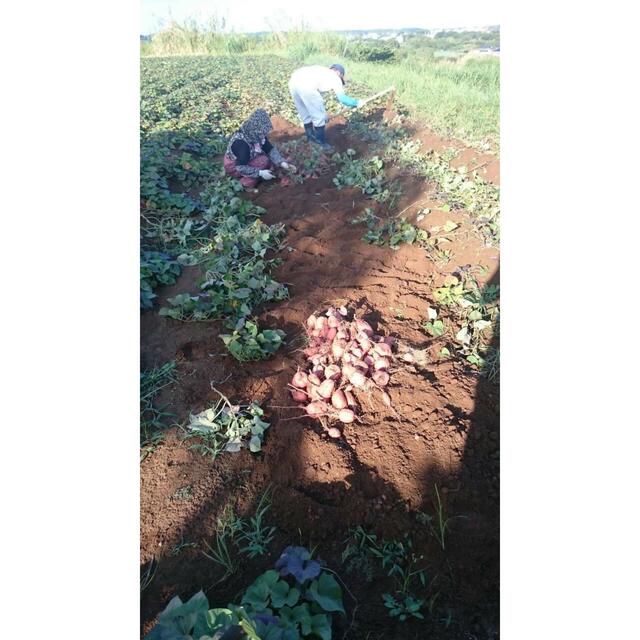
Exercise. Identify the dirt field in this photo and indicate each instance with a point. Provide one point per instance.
(444, 428)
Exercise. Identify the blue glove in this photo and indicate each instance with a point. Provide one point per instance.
(344, 99)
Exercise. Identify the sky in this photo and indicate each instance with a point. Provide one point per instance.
(262, 15)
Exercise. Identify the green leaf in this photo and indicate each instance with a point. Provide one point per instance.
(280, 595)
(182, 618)
(292, 597)
(242, 293)
(326, 592)
(187, 259)
(257, 412)
(179, 300)
(449, 225)
(437, 328)
(170, 313)
(301, 612)
(257, 595)
(259, 426)
(272, 335)
(255, 444)
(321, 626)
(217, 619)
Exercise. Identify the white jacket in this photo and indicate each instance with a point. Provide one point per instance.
(316, 78)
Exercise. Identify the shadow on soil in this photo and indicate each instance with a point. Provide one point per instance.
(380, 475)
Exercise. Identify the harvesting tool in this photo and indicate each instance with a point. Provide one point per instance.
(390, 90)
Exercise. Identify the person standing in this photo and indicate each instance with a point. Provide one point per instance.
(306, 86)
(250, 156)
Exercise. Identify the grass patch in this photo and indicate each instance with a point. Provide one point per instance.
(458, 100)
(234, 535)
(153, 418)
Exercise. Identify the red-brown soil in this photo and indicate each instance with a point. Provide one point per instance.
(487, 165)
(443, 428)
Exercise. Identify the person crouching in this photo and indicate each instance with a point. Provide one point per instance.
(250, 156)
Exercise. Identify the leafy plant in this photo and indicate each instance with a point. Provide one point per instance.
(255, 536)
(220, 551)
(366, 173)
(492, 364)
(476, 310)
(436, 239)
(248, 343)
(233, 294)
(480, 199)
(193, 620)
(309, 158)
(152, 418)
(401, 563)
(371, 51)
(367, 217)
(227, 427)
(438, 525)
(182, 620)
(231, 243)
(397, 560)
(403, 609)
(249, 536)
(434, 326)
(156, 268)
(179, 547)
(301, 609)
(272, 608)
(357, 555)
(236, 272)
(297, 562)
(451, 293)
(391, 232)
(380, 134)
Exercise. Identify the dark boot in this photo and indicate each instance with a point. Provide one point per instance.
(308, 131)
(321, 140)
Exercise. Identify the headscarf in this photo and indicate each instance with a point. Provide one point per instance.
(256, 127)
(252, 131)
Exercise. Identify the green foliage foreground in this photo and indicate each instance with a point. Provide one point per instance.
(294, 601)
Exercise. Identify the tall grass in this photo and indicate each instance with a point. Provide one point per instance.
(190, 38)
(460, 100)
